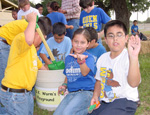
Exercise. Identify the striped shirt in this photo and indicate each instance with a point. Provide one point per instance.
(72, 7)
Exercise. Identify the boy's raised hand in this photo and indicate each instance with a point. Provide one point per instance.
(31, 17)
(134, 46)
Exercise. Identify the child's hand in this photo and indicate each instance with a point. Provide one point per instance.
(31, 17)
(61, 89)
(79, 57)
(95, 100)
(71, 27)
(134, 46)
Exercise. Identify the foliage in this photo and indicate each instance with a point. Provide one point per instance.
(132, 5)
(147, 21)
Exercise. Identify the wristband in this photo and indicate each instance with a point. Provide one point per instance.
(64, 84)
(81, 62)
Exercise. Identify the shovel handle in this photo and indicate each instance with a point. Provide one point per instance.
(45, 43)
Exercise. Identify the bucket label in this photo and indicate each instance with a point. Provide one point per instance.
(47, 96)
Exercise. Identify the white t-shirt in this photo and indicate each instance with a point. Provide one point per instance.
(21, 13)
(113, 76)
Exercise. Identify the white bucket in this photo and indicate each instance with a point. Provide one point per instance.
(46, 88)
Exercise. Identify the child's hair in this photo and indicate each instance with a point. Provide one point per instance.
(45, 25)
(93, 33)
(115, 23)
(59, 29)
(54, 6)
(15, 10)
(134, 21)
(86, 3)
(83, 32)
(37, 6)
(22, 3)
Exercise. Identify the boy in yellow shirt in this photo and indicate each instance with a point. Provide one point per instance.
(7, 34)
(22, 68)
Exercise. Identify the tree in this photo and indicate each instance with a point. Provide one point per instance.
(123, 8)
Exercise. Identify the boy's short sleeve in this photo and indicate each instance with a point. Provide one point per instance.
(39, 63)
(90, 63)
(104, 17)
(97, 76)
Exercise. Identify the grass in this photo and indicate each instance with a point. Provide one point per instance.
(144, 89)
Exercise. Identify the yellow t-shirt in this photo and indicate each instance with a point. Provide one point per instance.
(10, 30)
(22, 66)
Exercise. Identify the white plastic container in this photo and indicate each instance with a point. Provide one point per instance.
(46, 88)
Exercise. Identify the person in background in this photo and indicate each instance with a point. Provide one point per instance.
(56, 16)
(94, 48)
(92, 16)
(48, 7)
(40, 8)
(135, 28)
(59, 44)
(72, 11)
(25, 9)
(15, 14)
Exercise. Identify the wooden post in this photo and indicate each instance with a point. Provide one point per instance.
(0, 5)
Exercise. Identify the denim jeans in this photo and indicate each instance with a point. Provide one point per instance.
(75, 23)
(4, 52)
(75, 103)
(17, 103)
(117, 107)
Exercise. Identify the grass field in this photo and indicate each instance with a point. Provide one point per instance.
(144, 89)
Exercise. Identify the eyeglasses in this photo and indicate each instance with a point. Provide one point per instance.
(118, 36)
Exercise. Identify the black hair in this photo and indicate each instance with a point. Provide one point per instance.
(134, 21)
(59, 29)
(93, 33)
(115, 23)
(45, 25)
(86, 3)
(15, 10)
(83, 32)
(54, 6)
(37, 6)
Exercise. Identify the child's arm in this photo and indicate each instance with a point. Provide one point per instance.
(81, 60)
(30, 30)
(96, 94)
(43, 68)
(100, 34)
(134, 76)
(69, 27)
(45, 59)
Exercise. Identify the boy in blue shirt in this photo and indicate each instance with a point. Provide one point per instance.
(59, 44)
(94, 48)
(93, 17)
(134, 28)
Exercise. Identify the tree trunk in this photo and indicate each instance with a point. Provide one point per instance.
(121, 11)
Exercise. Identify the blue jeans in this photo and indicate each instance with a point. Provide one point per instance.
(75, 23)
(17, 103)
(75, 103)
(117, 107)
(4, 52)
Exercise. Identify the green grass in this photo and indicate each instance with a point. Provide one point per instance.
(144, 89)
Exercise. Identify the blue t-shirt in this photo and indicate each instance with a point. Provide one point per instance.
(57, 17)
(59, 50)
(75, 80)
(135, 28)
(94, 19)
(96, 53)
